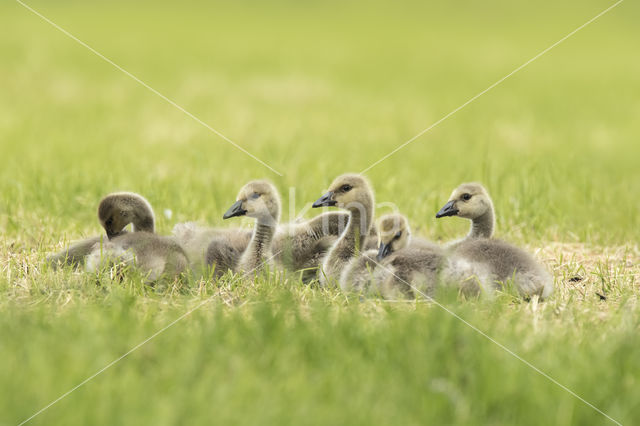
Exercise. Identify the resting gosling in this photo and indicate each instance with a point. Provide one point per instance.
(153, 255)
(502, 261)
(405, 269)
(115, 212)
(357, 275)
(258, 199)
(353, 193)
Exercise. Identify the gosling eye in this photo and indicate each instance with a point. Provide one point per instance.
(398, 235)
(255, 195)
(466, 197)
(109, 222)
(346, 188)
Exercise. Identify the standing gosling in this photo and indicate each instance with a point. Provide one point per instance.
(115, 212)
(502, 261)
(353, 193)
(258, 199)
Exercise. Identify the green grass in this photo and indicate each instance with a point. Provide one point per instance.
(315, 91)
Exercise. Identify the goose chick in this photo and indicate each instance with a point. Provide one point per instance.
(115, 212)
(152, 255)
(258, 199)
(394, 234)
(353, 193)
(407, 268)
(502, 261)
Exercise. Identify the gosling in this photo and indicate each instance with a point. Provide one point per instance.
(258, 199)
(357, 275)
(353, 193)
(503, 262)
(115, 212)
(406, 269)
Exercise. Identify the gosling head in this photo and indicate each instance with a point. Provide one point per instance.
(349, 191)
(119, 209)
(394, 234)
(258, 199)
(469, 200)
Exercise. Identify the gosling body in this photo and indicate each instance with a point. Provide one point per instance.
(358, 274)
(206, 246)
(153, 255)
(302, 246)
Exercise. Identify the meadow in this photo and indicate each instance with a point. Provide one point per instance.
(315, 90)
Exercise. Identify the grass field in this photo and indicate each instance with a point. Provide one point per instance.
(316, 90)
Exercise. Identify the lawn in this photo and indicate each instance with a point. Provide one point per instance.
(315, 90)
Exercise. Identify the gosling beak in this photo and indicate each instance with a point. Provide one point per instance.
(448, 209)
(235, 210)
(384, 251)
(325, 200)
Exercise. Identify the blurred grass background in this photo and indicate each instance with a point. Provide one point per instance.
(315, 90)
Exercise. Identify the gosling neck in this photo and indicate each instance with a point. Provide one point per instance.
(482, 226)
(144, 219)
(352, 239)
(357, 230)
(259, 248)
(144, 223)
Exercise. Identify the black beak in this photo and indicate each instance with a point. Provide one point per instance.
(384, 251)
(111, 235)
(235, 210)
(449, 209)
(325, 200)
